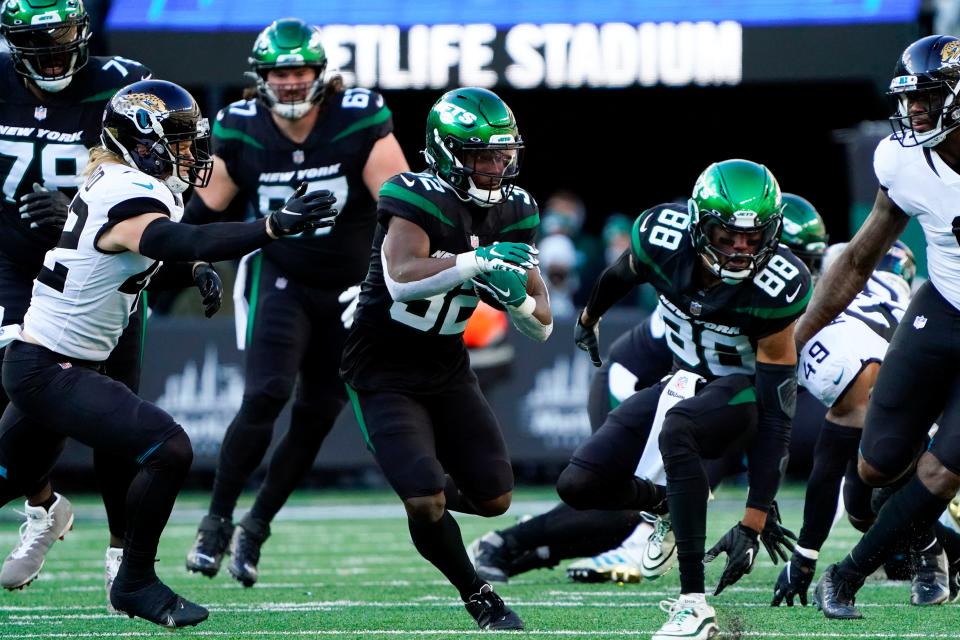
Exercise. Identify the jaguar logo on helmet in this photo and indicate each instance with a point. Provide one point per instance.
(950, 53)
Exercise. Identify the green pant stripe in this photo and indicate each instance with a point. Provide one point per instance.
(255, 265)
(358, 412)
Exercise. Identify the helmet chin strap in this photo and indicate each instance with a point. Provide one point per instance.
(54, 86)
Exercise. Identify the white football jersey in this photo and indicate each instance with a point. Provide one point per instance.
(83, 297)
(834, 357)
(922, 184)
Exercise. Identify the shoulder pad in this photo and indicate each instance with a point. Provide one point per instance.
(418, 191)
(116, 71)
(361, 102)
(783, 288)
(886, 160)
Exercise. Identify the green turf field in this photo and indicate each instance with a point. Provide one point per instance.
(341, 565)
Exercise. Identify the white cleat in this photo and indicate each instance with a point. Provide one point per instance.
(111, 566)
(690, 617)
(37, 534)
(661, 550)
(620, 565)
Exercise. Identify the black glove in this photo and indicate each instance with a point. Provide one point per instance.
(740, 544)
(44, 208)
(794, 580)
(303, 212)
(588, 339)
(776, 538)
(211, 289)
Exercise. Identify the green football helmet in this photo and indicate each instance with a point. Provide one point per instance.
(49, 39)
(804, 232)
(736, 197)
(473, 145)
(288, 43)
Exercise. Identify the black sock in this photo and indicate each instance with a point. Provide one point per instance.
(48, 503)
(950, 540)
(455, 500)
(911, 509)
(136, 570)
(836, 446)
(565, 527)
(440, 543)
(688, 490)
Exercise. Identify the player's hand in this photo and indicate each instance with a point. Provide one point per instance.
(44, 208)
(776, 538)
(303, 212)
(588, 339)
(506, 256)
(794, 580)
(349, 297)
(507, 287)
(208, 283)
(740, 544)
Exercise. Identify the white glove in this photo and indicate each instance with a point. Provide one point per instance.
(349, 297)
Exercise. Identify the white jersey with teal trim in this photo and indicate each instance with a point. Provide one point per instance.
(83, 296)
(924, 187)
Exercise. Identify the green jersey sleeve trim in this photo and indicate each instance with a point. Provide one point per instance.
(530, 222)
(780, 312)
(641, 255)
(224, 133)
(744, 396)
(370, 121)
(394, 191)
(103, 95)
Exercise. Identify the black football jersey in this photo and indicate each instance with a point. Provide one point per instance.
(47, 142)
(418, 346)
(268, 166)
(714, 332)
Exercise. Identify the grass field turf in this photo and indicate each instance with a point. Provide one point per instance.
(341, 565)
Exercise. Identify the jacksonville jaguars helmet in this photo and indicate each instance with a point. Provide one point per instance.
(928, 72)
(804, 232)
(898, 261)
(49, 39)
(473, 145)
(288, 43)
(156, 127)
(735, 196)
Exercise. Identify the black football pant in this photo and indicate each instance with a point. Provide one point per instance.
(292, 330)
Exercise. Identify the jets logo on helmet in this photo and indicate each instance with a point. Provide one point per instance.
(804, 232)
(925, 84)
(48, 39)
(156, 127)
(287, 44)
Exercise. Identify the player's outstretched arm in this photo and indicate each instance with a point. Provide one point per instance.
(614, 283)
(208, 203)
(849, 273)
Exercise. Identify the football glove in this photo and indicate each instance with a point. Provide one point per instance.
(588, 339)
(506, 256)
(794, 580)
(211, 289)
(776, 538)
(507, 287)
(740, 544)
(44, 208)
(349, 297)
(303, 212)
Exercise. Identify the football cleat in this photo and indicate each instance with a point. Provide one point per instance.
(954, 581)
(490, 612)
(245, 545)
(931, 583)
(690, 617)
(157, 603)
(835, 596)
(489, 556)
(37, 534)
(213, 536)
(660, 552)
(620, 565)
(111, 566)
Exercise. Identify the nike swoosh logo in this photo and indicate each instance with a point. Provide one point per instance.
(793, 295)
(499, 290)
(643, 225)
(409, 183)
(149, 185)
(749, 557)
(294, 213)
(839, 377)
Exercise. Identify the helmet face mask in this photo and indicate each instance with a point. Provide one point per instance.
(48, 44)
(473, 145)
(736, 219)
(925, 90)
(288, 46)
(157, 128)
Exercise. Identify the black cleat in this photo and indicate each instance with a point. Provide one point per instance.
(158, 604)
(490, 558)
(491, 613)
(213, 536)
(248, 537)
(931, 583)
(897, 567)
(836, 597)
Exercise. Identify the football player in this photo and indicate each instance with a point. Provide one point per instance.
(730, 295)
(459, 228)
(120, 226)
(298, 126)
(916, 168)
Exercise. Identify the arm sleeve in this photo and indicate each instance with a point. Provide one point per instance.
(172, 275)
(776, 386)
(169, 241)
(614, 283)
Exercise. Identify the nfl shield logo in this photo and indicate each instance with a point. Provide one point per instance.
(40, 113)
(298, 156)
(474, 242)
(695, 308)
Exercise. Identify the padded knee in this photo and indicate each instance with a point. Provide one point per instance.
(578, 486)
(495, 507)
(174, 454)
(860, 524)
(676, 438)
(426, 509)
(260, 408)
